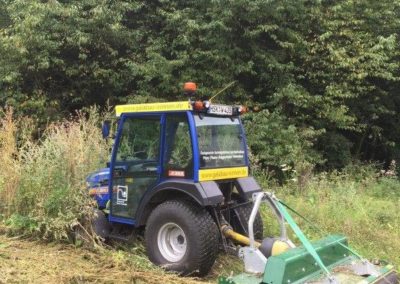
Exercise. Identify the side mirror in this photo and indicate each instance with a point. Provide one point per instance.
(105, 129)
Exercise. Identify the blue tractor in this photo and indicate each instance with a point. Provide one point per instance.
(179, 171)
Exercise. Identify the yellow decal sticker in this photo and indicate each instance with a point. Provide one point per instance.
(153, 107)
(223, 173)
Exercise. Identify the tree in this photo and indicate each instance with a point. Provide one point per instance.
(327, 71)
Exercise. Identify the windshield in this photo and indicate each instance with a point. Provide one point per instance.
(221, 141)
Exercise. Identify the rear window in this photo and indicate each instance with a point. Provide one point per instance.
(221, 141)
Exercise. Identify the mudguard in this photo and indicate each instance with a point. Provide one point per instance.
(247, 186)
(203, 193)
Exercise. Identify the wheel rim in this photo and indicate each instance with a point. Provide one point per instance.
(171, 242)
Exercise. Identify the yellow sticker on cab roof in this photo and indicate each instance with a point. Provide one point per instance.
(153, 107)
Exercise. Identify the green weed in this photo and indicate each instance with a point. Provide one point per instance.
(42, 182)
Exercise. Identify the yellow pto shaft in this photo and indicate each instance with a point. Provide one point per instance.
(278, 246)
(231, 234)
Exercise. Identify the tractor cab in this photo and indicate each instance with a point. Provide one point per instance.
(181, 142)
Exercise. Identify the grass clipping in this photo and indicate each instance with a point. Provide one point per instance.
(42, 182)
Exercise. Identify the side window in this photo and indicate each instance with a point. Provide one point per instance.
(139, 140)
(178, 159)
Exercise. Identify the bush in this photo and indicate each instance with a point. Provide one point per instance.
(282, 148)
(42, 182)
(335, 149)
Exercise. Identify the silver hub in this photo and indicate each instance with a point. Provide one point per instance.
(171, 240)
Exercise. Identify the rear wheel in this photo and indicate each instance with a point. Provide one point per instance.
(240, 219)
(182, 237)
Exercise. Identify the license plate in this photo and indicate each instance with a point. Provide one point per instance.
(220, 109)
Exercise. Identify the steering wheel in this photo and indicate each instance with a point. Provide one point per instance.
(145, 166)
(149, 164)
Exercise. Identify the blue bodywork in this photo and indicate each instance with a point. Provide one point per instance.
(97, 184)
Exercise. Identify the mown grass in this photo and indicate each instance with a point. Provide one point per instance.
(42, 193)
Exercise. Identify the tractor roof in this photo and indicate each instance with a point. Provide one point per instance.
(153, 107)
(199, 106)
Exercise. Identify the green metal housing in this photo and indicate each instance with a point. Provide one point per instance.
(298, 266)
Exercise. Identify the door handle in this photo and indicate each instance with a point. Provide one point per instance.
(118, 173)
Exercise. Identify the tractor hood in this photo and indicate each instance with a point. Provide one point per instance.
(99, 177)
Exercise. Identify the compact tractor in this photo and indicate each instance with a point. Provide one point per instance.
(180, 171)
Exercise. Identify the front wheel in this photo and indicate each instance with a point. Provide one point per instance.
(182, 237)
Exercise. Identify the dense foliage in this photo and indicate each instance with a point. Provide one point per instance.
(42, 182)
(324, 73)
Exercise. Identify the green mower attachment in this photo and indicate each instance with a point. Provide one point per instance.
(328, 260)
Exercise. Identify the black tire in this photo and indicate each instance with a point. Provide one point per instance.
(200, 234)
(100, 225)
(240, 221)
(90, 227)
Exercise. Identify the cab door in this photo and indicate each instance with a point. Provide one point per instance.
(135, 165)
(177, 156)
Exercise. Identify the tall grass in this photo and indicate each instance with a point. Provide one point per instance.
(356, 202)
(9, 171)
(42, 182)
